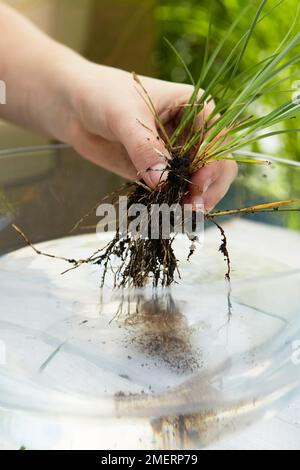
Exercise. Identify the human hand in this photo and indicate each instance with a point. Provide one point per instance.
(112, 126)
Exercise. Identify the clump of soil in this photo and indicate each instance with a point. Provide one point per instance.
(142, 258)
(160, 331)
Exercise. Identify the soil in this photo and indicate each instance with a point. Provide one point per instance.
(147, 258)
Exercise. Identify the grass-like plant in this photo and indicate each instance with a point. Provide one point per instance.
(230, 127)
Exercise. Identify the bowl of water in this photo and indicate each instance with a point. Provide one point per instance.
(178, 368)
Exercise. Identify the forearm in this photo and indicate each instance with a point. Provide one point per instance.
(36, 70)
(96, 109)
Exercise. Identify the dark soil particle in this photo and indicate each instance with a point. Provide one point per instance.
(142, 259)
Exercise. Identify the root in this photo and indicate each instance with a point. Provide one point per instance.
(224, 250)
(74, 262)
(38, 252)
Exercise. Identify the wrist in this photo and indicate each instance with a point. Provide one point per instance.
(50, 96)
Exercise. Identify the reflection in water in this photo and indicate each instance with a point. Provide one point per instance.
(245, 373)
(259, 184)
(228, 393)
(160, 331)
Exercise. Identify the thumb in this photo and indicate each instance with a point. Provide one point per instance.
(145, 148)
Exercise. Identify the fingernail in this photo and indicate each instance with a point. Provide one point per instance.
(158, 173)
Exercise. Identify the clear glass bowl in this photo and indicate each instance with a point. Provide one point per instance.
(164, 369)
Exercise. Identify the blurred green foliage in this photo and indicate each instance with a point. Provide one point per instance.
(185, 24)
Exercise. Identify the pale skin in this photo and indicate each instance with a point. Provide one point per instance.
(96, 109)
